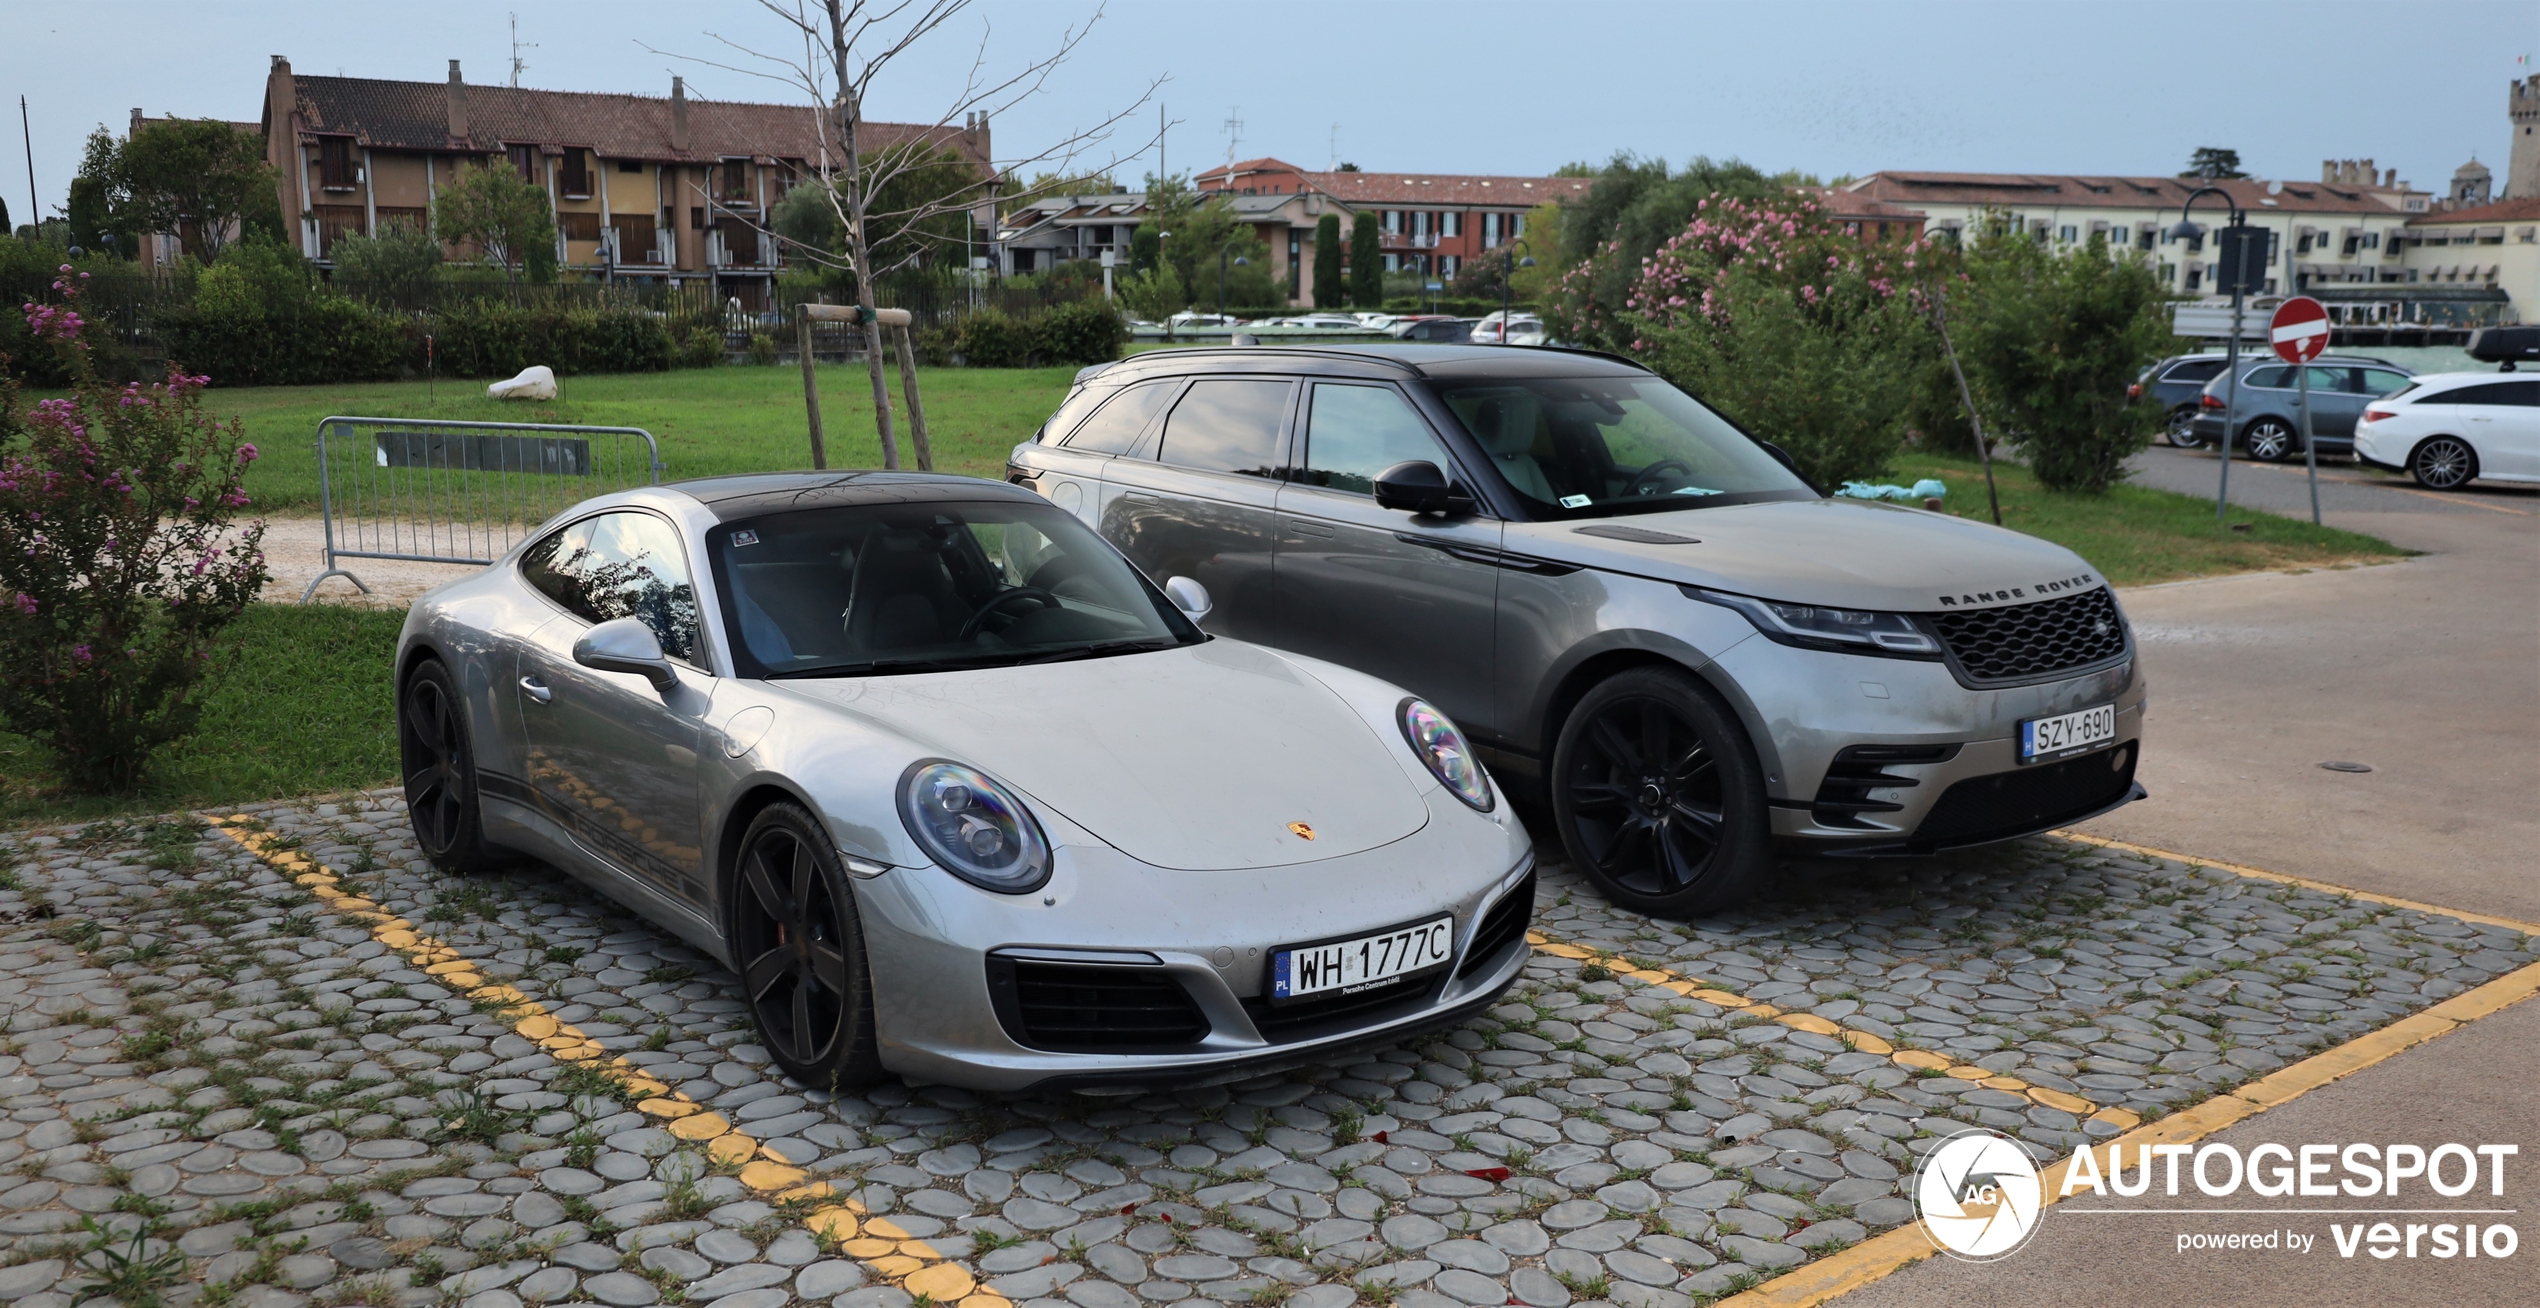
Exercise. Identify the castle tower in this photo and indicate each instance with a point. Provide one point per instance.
(2522, 174)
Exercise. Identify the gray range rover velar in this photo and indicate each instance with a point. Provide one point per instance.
(1637, 612)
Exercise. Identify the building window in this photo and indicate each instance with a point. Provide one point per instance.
(1393, 226)
(696, 217)
(335, 163)
(525, 159)
(630, 166)
(732, 181)
(584, 226)
(2070, 235)
(1448, 264)
(577, 175)
(1455, 222)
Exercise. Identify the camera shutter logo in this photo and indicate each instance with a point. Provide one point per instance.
(1979, 1196)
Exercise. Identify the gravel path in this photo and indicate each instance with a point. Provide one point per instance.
(281, 1062)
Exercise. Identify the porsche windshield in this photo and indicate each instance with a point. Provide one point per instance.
(885, 588)
(1593, 447)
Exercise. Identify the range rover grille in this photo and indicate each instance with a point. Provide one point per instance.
(2027, 641)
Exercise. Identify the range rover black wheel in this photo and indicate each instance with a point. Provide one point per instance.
(439, 764)
(800, 946)
(1658, 796)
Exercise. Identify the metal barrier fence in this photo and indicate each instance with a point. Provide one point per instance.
(424, 490)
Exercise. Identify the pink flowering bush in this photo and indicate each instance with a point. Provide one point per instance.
(1769, 311)
(122, 558)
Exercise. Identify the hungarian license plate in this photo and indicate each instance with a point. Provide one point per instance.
(2067, 734)
(1347, 967)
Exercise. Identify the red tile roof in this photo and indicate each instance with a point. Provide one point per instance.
(396, 115)
(2523, 210)
(1412, 190)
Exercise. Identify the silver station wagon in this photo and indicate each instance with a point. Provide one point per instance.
(1636, 611)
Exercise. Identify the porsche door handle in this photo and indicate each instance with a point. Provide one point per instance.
(536, 689)
(1314, 529)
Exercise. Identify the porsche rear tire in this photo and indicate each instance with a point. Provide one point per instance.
(438, 760)
(799, 943)
(1658, 796)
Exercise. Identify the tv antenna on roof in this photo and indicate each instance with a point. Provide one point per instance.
(1335, 161)
(1234, 137)
(518, 67)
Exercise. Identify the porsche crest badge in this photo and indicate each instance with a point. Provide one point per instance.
(1302, 829)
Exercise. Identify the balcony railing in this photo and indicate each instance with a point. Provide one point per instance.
(1407, 241)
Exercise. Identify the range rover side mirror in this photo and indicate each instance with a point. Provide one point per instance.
(1417, 486)
(625, 645)
(1189, 596)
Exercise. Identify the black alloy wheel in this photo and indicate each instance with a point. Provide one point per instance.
(2271, 439)
(800, 946)
(1658, 796)
(440, 772)
(2443, 463)
(2180, 428)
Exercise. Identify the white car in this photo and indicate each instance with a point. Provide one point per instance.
(1510, 329)
(2447, 429)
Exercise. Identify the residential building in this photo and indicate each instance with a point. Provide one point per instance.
(1060, 229)
(161, 250)
(1428, 223)
(2337, 230)
(644, 187)
(2473, 266)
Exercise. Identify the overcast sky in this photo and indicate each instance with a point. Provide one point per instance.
(2113, 86)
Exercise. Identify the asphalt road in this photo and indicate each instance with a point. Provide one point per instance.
(2424, 669)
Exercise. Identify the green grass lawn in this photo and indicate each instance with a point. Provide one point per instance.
(708, 420)
(2137, 535)
(304, 708)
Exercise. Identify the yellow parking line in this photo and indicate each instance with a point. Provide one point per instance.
(2306, 883)
(881, 1246)
(1875, 1258)
(1864, 1041)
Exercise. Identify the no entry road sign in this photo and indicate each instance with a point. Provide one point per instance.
(2299, 329)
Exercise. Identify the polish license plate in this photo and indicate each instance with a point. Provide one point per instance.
(2067, 734)
(1360, 963)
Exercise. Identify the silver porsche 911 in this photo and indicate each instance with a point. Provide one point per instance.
(955, 790)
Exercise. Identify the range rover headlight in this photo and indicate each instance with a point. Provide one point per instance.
(978, 830)
(1442, 748)
(1816, 626)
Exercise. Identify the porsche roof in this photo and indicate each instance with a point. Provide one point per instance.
(749, 495)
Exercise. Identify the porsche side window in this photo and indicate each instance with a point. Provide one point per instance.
(620, 565)
(1227, 426)
(1116, 425)
(1354, 432)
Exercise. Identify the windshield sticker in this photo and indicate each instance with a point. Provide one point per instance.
(1576, 501)
(741, 538)
(1693, 490)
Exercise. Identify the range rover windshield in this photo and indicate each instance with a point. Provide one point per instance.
(889, 588)
(1599, 446)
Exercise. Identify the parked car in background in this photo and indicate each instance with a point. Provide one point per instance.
(1194, 318)
(2341, 386)
(1376, 322)
(1514, 329)
(2174, 384)
(1635, 610)
(1327, 322)
(1435, 331)
(2451, 428)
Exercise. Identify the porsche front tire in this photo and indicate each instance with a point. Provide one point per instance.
(438, 760)
(798, 943)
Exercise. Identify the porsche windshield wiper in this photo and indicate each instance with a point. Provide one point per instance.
(1106, 648)
(884, 667)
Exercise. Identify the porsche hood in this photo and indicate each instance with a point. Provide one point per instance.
(1216, 757)
(1837, 552)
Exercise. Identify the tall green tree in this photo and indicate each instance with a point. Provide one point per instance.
(2213, 163)
(1328, 292)
(1366, 264)
(2051, 339)
(506, 217)
(202, 179)
(392, 265)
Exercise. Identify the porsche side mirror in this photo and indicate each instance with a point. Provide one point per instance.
(1417, 487)
(625, 645)
(1189, 596)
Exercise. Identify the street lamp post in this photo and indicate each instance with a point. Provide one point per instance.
(1222, 256)
(2240, 231)
(1507, 277)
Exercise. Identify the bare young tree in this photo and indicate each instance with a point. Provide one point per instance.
(847, 45)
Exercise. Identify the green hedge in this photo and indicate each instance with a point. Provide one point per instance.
(332, 339)
(1082, 332)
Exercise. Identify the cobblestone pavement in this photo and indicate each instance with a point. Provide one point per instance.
(293, 1065)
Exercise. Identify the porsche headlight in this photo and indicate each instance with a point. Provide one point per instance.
(1442, 748)
(1816, 626)
(978, 830)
